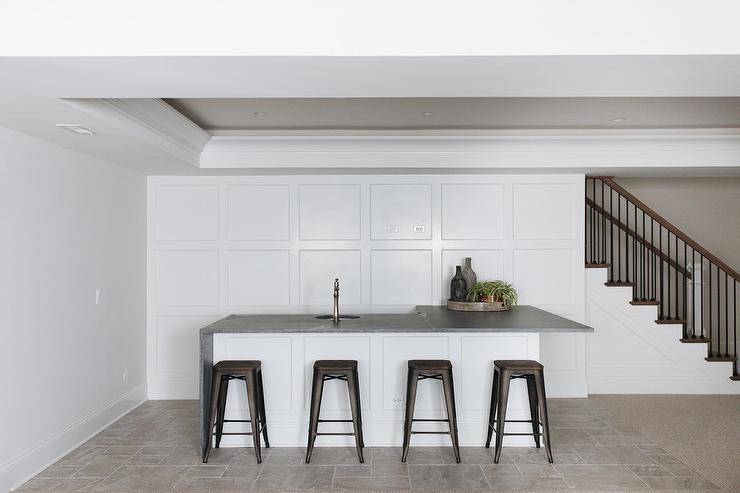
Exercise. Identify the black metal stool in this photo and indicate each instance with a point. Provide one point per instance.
(503, 372)
(251, 373)
(422, 369)
(346, 370)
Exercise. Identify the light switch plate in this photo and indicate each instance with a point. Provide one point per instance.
(419, 228)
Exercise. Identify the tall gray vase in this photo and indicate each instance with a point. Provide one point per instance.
(469, 275)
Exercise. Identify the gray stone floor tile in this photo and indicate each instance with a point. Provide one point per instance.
(652, 450)
(212, 485)
(468, 455)
(522, 484)
(335, 456)
(304, 477)
(613, 455)
(122, 450)
(680, 484)
(243, 470)
(286, 456)
(57, 484)
(205, 471)
(575, 436)
(145, 460)
(397, 470)
(101, 466)
(353, 471)
(538, 470)
(142, 478)
(457, 477)
(502, 471)
(59, 471)
(601, 478)
(371, 484)
(417, 455)
(650, 470)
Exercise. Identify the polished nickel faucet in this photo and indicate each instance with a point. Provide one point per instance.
(336, 300)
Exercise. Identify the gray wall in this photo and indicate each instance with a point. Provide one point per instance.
(706, 209)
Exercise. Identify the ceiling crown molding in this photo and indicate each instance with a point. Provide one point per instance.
(506, 149)
(151, 120)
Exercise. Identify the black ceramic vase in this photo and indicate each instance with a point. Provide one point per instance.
(458, 286)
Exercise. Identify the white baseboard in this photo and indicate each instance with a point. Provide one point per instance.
(20, 469)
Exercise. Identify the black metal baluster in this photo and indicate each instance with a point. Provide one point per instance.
(655, 259)
(676, 278)
(734, 324)
(727, 324)
(662, 281)
(642, 259)
(611, 235)
(693, 294)
(703, 313)
(593, 222)
(635, 277)
(719, 318)
(619, 235)
(668, 273)
(711, 332)
(603, 226)
(685, 317)
(627, 239)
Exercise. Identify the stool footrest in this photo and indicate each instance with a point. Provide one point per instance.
(335, 421)
(425, 419)
(430, 432)
(345, 434)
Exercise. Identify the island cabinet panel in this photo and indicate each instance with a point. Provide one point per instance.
(287, 361)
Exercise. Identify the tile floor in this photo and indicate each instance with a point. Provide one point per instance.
(155, 448)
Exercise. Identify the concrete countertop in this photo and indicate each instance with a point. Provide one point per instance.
(521, 318)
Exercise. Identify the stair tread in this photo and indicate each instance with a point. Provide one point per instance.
(720, 358)
(596, 265)
(645, 302)
(689, 340)
(735, 377)
(670, 322)
(619, 284)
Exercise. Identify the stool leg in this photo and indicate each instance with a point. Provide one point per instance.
(359, 408)
(533, 408)
(254, 413)
(354, 404)
(503, 399)
(449, 390)
(313, 422)
(540, 381)
(492, 412)
(412, 380)
(215, 386)
(220, 415)
(263, 414)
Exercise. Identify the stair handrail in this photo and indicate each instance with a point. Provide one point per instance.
(668, 225)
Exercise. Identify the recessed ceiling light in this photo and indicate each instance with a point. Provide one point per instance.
(78, 129)
(618, 120)
(259, 113)
(428, 113)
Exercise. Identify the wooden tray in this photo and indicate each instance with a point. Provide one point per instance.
(475, 306)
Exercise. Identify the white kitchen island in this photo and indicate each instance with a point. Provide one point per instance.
(288, 345)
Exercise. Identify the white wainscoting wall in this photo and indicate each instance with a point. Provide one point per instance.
(273, 244)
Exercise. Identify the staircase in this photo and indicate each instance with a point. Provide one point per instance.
(688, 286)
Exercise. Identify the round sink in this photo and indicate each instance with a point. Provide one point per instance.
(330, 317)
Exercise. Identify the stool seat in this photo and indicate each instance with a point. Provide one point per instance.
(335, 364)
(517, 364)
(237, 365)
(430, 364)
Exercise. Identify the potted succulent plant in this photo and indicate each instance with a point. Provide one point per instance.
(493, 292)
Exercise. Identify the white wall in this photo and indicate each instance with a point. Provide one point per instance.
(71, 224)
(238, 244)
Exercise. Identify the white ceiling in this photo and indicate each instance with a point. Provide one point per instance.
(458, 113)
